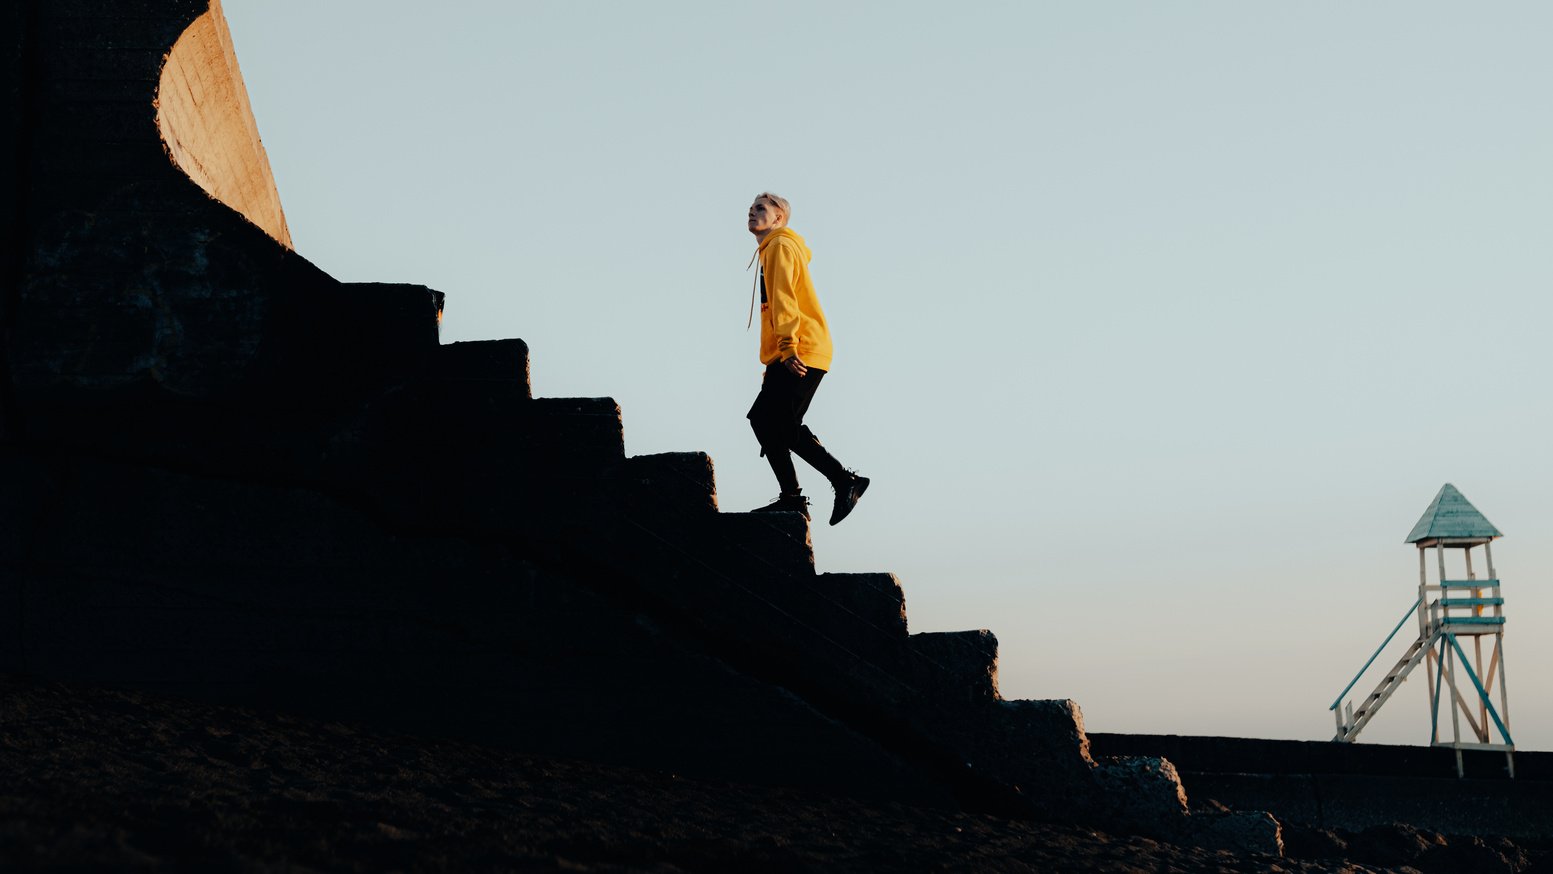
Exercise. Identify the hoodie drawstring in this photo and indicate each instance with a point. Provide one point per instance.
(753, 283)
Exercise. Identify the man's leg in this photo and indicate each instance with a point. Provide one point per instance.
(774, 418)
(849, 486)
(808, 447)
(777, 418)
(781, 461)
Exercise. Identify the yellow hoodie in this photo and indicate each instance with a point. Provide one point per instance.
(791, 321)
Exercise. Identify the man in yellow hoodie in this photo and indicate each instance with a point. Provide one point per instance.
(795, 347)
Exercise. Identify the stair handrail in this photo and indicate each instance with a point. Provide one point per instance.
(1400, 623)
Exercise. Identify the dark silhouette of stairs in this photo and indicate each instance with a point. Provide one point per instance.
(225, 474)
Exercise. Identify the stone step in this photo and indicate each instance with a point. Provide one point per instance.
(440, 455)
(363, 334)
(957, 665)
(764, 553)
(667, 483)
(485, 426)
(774, 545)
(334, 341)
(500, 361)
(877, 600)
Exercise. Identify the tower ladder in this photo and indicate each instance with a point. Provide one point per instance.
(1349, 724)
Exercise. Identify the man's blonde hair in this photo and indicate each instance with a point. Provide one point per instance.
(779, 202)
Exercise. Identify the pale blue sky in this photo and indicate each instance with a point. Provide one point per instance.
(1157, 324)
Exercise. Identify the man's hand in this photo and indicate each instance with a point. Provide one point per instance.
(796, 366)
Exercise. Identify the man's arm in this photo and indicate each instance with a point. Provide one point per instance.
(782, 293)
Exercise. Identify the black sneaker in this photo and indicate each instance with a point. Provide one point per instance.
(848, 491)
(787, 504)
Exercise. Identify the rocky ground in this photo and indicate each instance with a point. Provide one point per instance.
(96, 780)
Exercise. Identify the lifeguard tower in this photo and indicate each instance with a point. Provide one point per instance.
(1451, 610)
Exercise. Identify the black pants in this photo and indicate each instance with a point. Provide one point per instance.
(777, 419)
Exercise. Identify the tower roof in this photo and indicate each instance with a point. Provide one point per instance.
(1450, 514)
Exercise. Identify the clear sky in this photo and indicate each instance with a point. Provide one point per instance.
(1157, 325)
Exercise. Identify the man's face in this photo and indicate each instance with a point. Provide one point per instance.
(764, 216)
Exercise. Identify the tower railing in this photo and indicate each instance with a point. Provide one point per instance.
(1481, 605)
(1345, 717)
(1378, 650)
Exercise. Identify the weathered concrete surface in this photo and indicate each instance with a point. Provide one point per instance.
(208, 126)
(1352, 787)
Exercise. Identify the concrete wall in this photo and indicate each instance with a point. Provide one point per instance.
(208, 125)
(1354, 786)
(130, 283)
(17, 27)
(13, 76)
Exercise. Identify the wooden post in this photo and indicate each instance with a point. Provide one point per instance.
(1437, 686)
(1477, 658)
(1423, 634)
(1450, 677)
(1504, 698)
(1504, 693)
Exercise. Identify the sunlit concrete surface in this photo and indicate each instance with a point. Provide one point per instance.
(208, 127)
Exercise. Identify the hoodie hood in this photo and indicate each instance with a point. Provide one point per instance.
(789, 234)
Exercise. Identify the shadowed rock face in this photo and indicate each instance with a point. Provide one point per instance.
(237, 478)
(127, 282)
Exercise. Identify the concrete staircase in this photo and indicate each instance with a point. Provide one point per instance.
(281, 490)
(467, 451)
